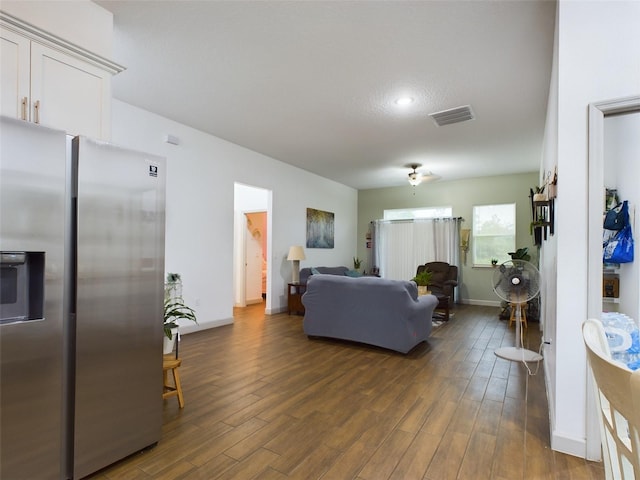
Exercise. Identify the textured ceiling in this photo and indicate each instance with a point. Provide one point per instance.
(313, 83)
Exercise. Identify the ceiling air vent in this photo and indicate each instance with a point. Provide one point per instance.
(453, 115)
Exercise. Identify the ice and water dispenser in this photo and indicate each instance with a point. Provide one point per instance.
(21, 286)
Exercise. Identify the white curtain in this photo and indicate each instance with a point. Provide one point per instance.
(399, 246)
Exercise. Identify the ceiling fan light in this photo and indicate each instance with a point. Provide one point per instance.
(415, 178)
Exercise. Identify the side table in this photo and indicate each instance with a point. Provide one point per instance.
(294, 294)
(443, 304)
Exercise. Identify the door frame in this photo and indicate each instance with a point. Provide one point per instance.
(239, 253)
(598, 111)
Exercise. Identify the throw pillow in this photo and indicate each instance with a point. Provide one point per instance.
(314, 271)
(353, 273)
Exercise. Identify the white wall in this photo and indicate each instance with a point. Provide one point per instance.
(250, 199)
(598, 54)
(202, 171)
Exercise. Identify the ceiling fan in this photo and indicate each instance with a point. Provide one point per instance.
(416, 178)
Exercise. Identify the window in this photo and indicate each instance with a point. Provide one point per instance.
(424, 212)
(494, 233)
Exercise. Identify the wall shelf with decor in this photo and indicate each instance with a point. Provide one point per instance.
(543, 219)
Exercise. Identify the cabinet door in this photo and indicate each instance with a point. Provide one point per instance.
(69, 94)
(14, 75)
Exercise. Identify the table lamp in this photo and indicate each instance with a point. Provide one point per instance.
(296, 253)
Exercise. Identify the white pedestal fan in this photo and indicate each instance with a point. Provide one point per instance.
(517, 282)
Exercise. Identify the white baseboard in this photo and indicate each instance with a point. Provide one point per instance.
(483, 303)
(565, 444)
(274, 311)
(184, 330)
(561, 442)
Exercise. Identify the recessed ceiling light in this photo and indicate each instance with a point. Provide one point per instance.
(404, 101)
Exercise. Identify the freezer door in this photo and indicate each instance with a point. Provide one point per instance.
(32, 222)
(120, 270)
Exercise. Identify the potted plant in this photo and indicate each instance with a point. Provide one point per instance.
(175, 309)
(521, 254)
(422, 280)
(536, 229)
(494, 262)
(538, 194)
(356, 263)
(173, 278)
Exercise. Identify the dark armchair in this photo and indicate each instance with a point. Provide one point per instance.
(444, 279)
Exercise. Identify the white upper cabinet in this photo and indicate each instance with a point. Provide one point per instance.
(69, 94)
(14, 74)
(45, 80)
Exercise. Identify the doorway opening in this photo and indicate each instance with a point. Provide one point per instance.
(252, 246)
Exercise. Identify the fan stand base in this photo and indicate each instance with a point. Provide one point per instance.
(516, 354)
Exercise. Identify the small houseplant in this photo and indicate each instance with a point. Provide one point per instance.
(537, 194)
(521, 254)
(423, 279)
(175, 309)
(356, 263)
(537, 228)
(494, 262)
(173, 278)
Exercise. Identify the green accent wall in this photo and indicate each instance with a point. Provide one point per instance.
(461, 195)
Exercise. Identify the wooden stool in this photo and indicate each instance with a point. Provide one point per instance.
(523, 314)
(169, 362)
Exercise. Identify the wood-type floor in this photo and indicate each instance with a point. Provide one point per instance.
(265, 402)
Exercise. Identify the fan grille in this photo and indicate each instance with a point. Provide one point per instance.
(516, 281)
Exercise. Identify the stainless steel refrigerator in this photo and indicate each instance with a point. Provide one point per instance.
(81, 293)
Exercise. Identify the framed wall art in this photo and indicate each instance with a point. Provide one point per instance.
(320, 228)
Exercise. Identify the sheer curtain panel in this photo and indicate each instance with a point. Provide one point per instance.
(399, 246)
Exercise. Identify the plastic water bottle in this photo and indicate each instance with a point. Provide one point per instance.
(623, 337)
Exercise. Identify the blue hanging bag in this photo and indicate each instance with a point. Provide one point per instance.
(619, 248)
(617, 217)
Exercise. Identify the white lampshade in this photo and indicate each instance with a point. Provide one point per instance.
(296, 253)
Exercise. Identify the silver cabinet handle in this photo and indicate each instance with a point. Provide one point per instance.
(24, 108)
(36, 111)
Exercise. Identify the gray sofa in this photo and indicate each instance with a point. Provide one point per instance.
(371, 310)
(305, 273)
